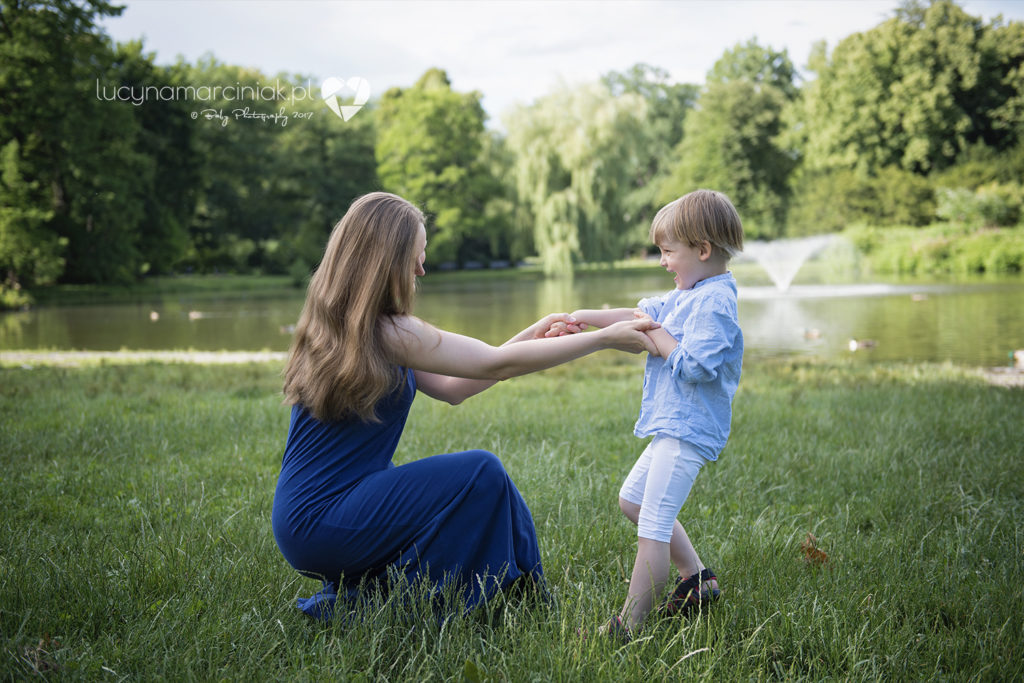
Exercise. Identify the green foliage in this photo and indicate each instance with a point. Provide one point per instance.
(30, 253)
(141, 496)
(322, 164)
(827, 201)
(77, 153)
(575, 158)
(668, 105)
(755, 63)
(237, 203)
(915, 120)
(913, 92)
(731, 141)
(943, 249)
(430, 150)
(729, 145)
(246, 218)
(982, 165)
(991, 205)
(171, 164)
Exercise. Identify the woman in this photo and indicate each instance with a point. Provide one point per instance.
(342, 511)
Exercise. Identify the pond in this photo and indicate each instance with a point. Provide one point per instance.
(976, 323)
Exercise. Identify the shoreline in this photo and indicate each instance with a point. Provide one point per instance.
(1009, 377)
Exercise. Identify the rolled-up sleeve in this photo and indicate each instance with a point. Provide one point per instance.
(708, 333)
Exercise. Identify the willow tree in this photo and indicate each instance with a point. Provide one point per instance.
(576, 151)
(668, 105)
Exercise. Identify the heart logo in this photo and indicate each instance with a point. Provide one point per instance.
(332, 86)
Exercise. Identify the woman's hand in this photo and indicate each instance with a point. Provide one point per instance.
(565, 325)
(556, 325)
(640, 315)
(630, 336)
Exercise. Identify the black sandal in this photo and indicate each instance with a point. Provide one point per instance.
(618, 631)
(690, 594)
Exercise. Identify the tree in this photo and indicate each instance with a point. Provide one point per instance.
(171, 161)
(29, 251)
(236, 206)
(755, 63)
(429, 145)
(730, 142)
(322, 164)
(668, 105)
(577, 151)
(915, 92)
(75, 171)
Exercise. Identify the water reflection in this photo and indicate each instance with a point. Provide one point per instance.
(977, 324)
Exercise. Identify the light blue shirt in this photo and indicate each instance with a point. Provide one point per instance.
(689, 394)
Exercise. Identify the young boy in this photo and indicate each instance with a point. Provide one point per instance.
(687, 396)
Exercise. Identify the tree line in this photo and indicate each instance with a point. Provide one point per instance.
(108, 174)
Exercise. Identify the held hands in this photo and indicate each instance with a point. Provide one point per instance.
(630, 335)
(626, 335)
(564, 324)
(640, 315)
(556, 325)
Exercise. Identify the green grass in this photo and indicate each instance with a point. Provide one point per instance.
(135, 535)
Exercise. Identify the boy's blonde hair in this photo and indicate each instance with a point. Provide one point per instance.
(702, 215)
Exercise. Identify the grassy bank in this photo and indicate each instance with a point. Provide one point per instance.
(135, 535)
(943, 249)
(205, 287)
(940, 249)
(155, 288)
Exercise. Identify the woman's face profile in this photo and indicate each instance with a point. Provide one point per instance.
(421, 250)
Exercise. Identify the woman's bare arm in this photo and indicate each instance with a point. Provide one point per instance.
(422, 347)
(455, 390)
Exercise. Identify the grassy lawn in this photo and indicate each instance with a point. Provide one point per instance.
(135, 535)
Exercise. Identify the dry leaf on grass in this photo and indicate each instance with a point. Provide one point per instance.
(813, 555)
(40, 657)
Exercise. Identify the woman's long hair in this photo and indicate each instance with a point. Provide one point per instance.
(338, 366)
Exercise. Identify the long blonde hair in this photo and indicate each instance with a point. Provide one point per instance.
(338, 365)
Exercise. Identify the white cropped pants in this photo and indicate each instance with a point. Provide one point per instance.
(659, 483)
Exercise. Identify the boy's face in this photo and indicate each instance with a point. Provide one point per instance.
(686, 262)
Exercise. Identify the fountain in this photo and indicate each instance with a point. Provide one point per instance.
(782, 259)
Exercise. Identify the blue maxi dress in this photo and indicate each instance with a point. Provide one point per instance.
(345, 514)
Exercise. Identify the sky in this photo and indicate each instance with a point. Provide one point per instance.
(511, 51)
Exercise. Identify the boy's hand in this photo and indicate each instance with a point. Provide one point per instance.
(640, 315)
(561, 328)
(663, 342)
(540, 329)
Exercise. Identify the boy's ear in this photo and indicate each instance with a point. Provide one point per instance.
(705, 250)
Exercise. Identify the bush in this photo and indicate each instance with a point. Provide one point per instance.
(831, 200)
(989, 206)
(12, 298)
(939, 249)
(990, 251)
